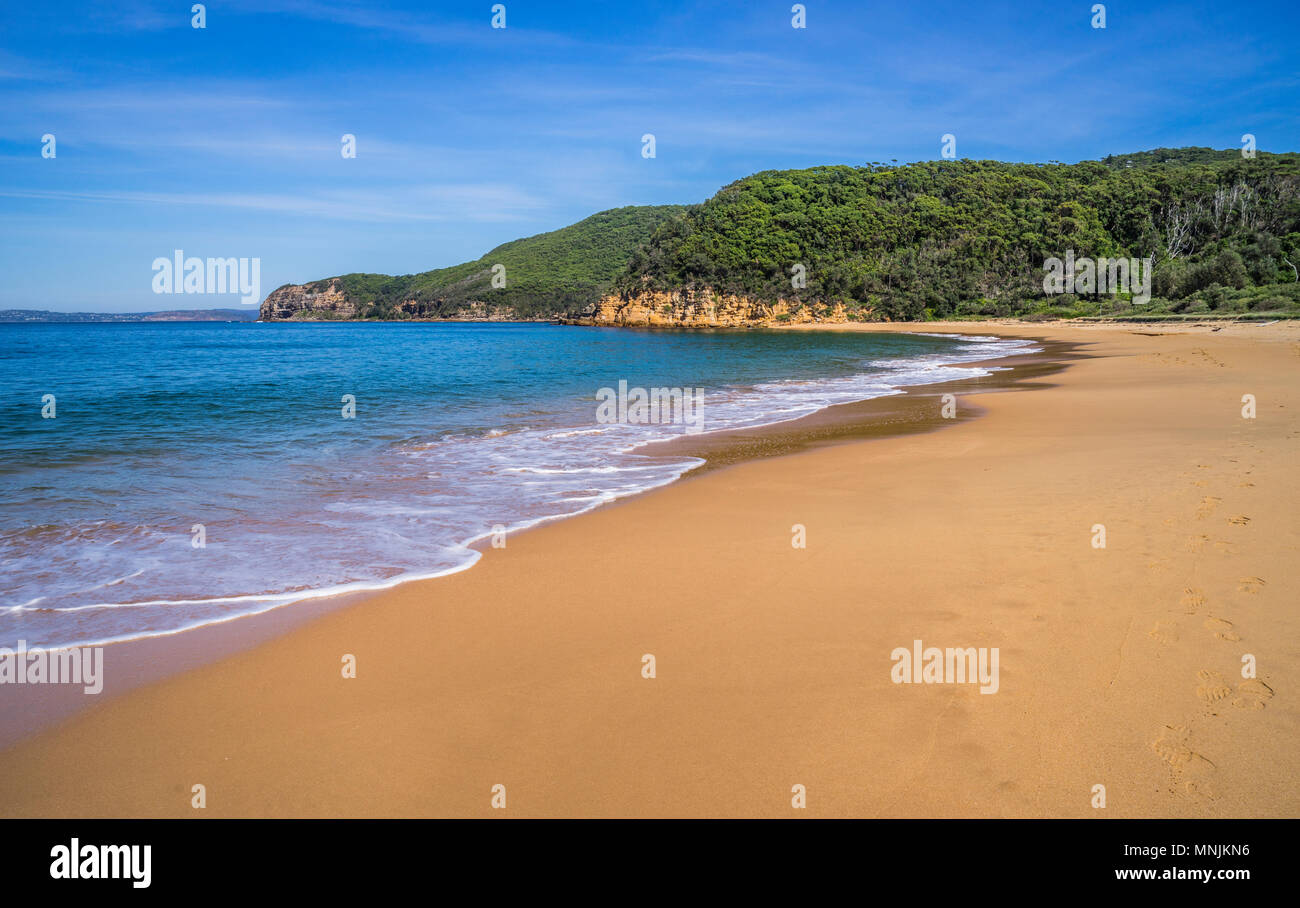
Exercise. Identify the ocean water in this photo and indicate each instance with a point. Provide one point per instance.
(160, 429)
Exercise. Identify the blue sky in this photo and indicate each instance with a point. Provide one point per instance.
(225, 141)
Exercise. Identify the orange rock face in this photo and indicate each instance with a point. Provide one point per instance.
(703, 309)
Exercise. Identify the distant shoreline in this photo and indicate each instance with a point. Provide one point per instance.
(48, 317)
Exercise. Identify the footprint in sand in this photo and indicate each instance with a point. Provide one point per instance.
(1245, 485)
(1174, 745)
(1196, 543)
(1189, 768)
(1211, 689)
(1201, 483)
(1224, 547)
(1163, 633)
(1207, 506)
(1240, 520)
(1252, 694)
(1222, 629)
(1249, 584)
(1192, 599)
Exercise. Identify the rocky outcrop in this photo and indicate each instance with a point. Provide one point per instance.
(475, 311)
(702, 309)
(296, 301)
(326, 300)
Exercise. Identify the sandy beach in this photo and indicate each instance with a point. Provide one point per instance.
(1119, 666)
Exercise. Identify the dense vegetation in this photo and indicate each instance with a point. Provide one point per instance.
(544, 274)
(969, 238)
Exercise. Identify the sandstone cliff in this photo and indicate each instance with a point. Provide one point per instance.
(702, 309)
(325, 300)
(296, 301)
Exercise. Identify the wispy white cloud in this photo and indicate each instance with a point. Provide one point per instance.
(409, 26)
(24, 69)
(460, 202)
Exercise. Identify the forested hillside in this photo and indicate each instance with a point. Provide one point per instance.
(962, 238)
(543, 275)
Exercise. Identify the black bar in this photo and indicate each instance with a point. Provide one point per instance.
(988, 857)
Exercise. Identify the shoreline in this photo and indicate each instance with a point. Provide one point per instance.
(134, 661)
(773, 666)
(916, 409)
